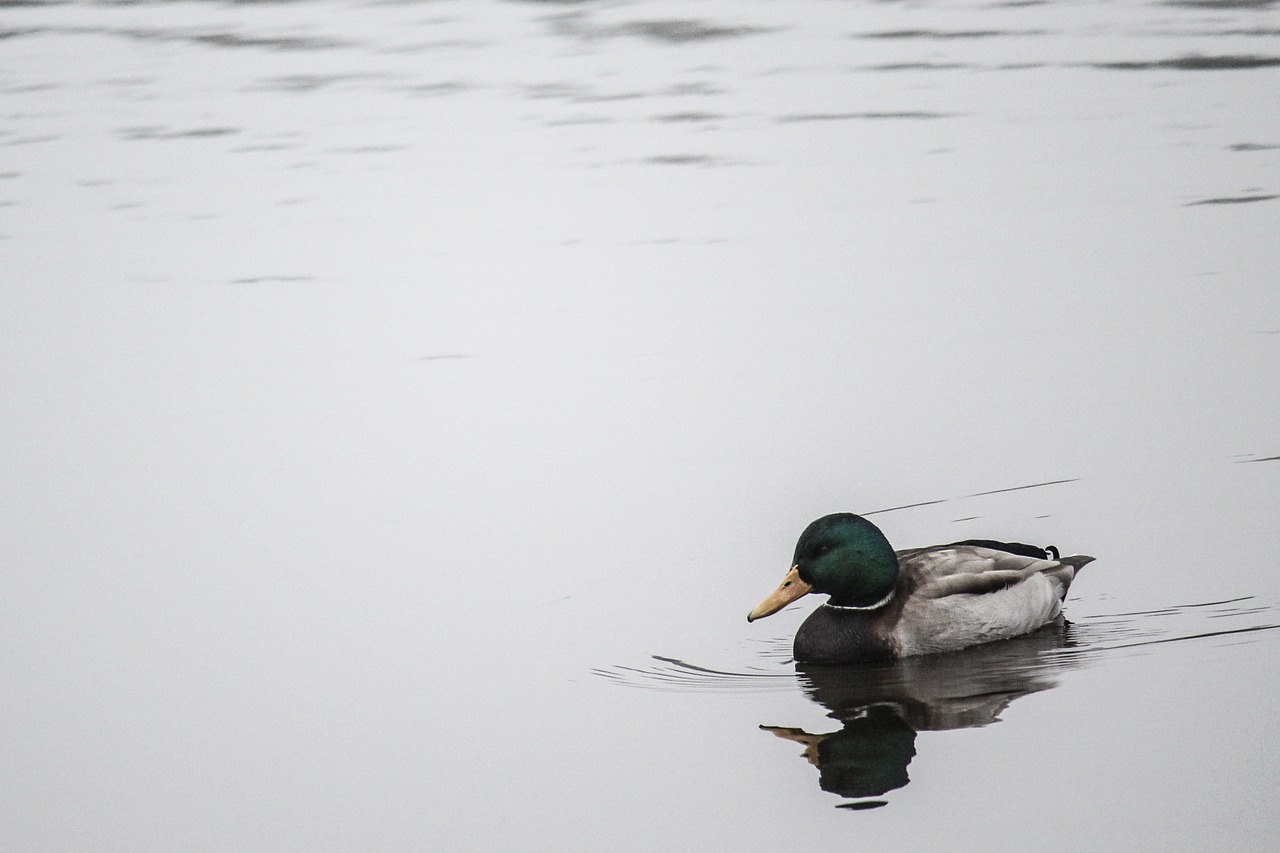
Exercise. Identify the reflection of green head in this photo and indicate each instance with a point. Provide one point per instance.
(847, 557)
(869, 756)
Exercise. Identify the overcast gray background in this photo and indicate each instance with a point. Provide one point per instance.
(384, 383)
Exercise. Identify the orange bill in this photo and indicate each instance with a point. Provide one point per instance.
(788, 591)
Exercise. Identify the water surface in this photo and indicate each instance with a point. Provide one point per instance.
(405, 402)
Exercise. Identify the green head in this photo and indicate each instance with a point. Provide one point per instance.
(847, 557)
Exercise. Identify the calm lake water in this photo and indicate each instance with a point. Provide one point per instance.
(405, 402)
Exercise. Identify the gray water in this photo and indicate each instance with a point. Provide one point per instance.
(404, 403)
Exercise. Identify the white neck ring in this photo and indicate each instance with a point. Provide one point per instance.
(881, 603)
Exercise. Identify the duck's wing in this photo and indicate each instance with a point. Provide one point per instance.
(961, 595)
(964, 569)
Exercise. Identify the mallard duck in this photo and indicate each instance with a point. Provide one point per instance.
(887, 605)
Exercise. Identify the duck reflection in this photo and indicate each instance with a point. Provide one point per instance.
(880, 707)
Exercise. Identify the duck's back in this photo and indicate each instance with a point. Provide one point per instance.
(966, 594)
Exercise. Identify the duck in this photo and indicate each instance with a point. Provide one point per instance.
(886, 604)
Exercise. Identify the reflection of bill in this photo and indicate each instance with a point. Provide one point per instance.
(866, 758)
(881, 707)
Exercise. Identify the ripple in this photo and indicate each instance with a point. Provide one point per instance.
(919, 66)
(1237, 199)
(682, 160)
(974, 495)
(133, 134)
(675, 31)
(1107, 633)
(1194, 63)
(683, 31)
(1028, 486)
(946, 34)
(232, 39)
(307, 83)
(905, 114)
(1058, 646)
(1223, 4)
(669, 673)
(221, 39)
(274, 279)
(688, 117)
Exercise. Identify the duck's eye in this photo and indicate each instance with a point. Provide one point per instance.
(823, 549)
